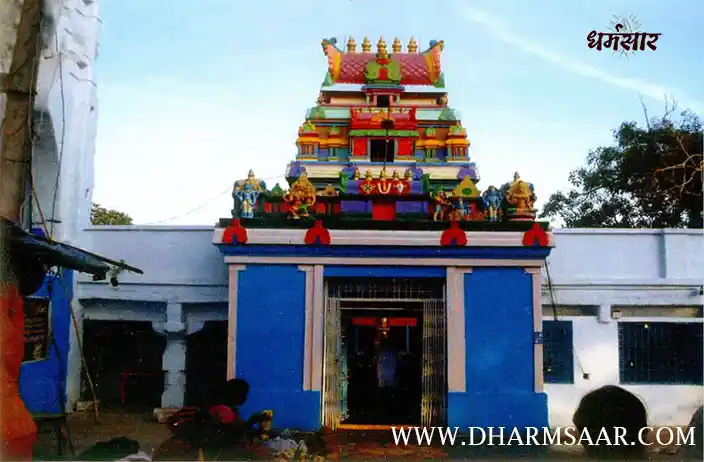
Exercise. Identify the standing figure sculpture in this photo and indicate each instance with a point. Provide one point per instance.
(246, 193)
(520, 197)
(442, 203)
(492, 198)
(247, 200)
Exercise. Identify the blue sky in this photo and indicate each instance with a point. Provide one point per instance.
(194, 94)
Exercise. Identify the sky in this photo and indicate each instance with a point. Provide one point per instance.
(194, 94)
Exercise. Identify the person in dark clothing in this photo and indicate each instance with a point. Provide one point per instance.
(606, 408)
(217, 427)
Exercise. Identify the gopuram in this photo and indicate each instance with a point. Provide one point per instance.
(383, 285)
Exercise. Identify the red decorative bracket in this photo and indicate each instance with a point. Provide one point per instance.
(535, 236)
(317, 234)
(235, 233)
(453, 236)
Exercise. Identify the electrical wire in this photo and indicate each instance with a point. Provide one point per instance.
(203, 204)
(79, 342)
(59, 57)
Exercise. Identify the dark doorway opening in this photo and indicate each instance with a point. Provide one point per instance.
(383, 101)
(206, 362)
(383, 352)
(381, 150)
(124, 360)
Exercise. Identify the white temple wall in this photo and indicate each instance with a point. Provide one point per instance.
(598, 270)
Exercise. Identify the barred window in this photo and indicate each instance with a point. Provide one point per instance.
(660, 353)
(558, 352)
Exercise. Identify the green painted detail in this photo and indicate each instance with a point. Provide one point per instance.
(458, 130)
(334, 130)
(308, 128)
(373, 70)
(276, 190)
(448, 114)
(425, 181)
(344, 179)
(403, 133)
(328, 81)
(317, 113)
(430, 132)
(440, 82)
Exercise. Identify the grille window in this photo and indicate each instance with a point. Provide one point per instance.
(558, 352)
(660, 353)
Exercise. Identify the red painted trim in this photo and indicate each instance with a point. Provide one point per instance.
(317, 234)
(453, 236)
(390, 322)
(235, 233)
(383, 210)
(535, 236)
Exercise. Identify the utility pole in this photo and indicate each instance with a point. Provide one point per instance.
(19, 87)
(18, 428)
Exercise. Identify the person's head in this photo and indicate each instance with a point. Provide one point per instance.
(609, 407)
(235, 392)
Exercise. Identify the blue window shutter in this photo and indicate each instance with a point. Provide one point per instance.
(558, 352)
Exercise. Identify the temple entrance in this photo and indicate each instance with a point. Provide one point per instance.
(124, 359)
(206, 363)
(385, 353)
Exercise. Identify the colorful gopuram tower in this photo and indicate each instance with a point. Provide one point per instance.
(382, 142)
(382, 206)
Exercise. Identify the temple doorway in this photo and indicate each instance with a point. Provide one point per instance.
(381, 335)
(124, 360)
(206, 363)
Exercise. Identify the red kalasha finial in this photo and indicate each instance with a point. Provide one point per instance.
(317, 234)
(235, 233)
(453, 236)
(535, 236)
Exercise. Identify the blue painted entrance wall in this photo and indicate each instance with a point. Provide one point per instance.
(498, 327)
(270, 344)
(43, 383)
(499, 353)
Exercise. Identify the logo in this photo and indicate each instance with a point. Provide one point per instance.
(624, 35)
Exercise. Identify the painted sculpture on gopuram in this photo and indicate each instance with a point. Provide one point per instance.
(382, 144)
(246, 194)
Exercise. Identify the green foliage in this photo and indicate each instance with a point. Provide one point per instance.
(650, 178)
(102, 216)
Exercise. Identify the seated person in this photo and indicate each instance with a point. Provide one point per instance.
(216, 427)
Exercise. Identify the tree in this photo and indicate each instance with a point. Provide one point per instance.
(650, 178)
(102, 216)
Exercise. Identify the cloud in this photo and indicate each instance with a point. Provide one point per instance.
(503, 33)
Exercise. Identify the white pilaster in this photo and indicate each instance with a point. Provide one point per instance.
(456, 335)
(537, 327)
(232, 319)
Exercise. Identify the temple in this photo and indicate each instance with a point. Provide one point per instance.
(383, 286)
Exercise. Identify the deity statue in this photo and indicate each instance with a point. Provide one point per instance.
(442, 203)
(301, 197)
(521, 196)
(245, 193)
(355, 175)
(247, 197)
(492, 198)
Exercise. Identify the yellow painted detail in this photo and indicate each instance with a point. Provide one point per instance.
(335, 64)
(457, 142)
(308, 140)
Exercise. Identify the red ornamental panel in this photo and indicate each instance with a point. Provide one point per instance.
(384, 187)
(390, 322)
(404, 147)
(359, 147)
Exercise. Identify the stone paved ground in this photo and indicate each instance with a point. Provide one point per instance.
(344, 446)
